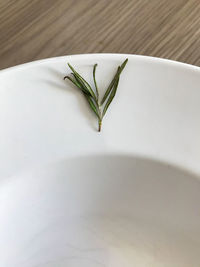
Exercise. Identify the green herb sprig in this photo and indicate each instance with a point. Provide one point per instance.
(92, 96)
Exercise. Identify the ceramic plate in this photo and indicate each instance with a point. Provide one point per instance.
(128, 196)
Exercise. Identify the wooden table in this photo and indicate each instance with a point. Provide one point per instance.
(36, 29)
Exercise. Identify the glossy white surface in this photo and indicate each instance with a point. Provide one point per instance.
(128, 196)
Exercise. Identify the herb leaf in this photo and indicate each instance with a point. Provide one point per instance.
(95, 83)
(111, 96)
(73, 81)
(92, 105)
(83, 81)
(82, 85)
(110, 86)
(77, 84)
(119, 70)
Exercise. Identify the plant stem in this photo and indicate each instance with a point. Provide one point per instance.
(100, 123)
(99, 117)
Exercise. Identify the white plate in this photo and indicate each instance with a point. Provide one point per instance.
(128, 196)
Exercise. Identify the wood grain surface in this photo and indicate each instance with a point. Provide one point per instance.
(36, 29)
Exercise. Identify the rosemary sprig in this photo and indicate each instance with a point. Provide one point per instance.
(92, 96)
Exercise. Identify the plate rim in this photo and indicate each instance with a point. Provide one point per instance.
(150, 59)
